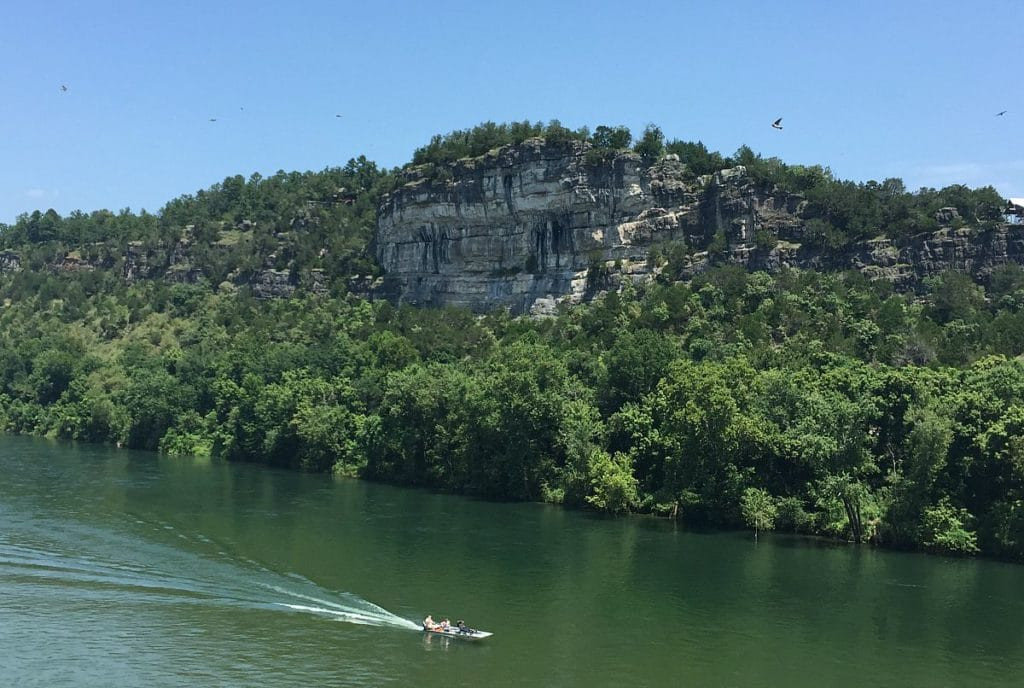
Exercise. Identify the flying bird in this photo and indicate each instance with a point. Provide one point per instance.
(213, 119)
(1000, 114)
(337, 115)
(63, 88)
(777, 124)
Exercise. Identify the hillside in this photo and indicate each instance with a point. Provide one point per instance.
(308, 231)
(525, 216)
(814, 401)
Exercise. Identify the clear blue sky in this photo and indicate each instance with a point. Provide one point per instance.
(871, 89)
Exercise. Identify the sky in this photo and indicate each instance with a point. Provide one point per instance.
(869, 89)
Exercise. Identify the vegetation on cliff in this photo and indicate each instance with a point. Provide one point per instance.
(838, 212)
(816, 403)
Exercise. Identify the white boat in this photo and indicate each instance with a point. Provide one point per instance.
(454, 632)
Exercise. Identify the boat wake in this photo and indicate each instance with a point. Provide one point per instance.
(355, 610)
(85, 570)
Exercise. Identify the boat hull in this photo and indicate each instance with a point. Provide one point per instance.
(455, 633)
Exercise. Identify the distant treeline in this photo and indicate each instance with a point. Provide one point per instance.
(291, 220)
(336, 208)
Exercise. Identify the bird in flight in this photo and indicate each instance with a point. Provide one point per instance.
(63, 88)
(337, 115)
(213, 119)
(1000, 114)
(777, 124)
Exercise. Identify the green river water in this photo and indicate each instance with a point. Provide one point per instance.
(120, 568)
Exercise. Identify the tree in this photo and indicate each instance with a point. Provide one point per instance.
(634, 365)
(580, 438)
(758, 509)
(611, 138)
(923, 456)
(697, 158)
(153, 398)
(849, 493)
(944, 529)
(517, 405)
(613, 483)
(690, 440)
(954, 296)
(651, 145)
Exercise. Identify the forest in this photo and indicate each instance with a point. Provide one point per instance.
(816, 403)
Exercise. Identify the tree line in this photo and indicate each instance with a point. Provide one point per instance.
(801, 402)
(290, 216)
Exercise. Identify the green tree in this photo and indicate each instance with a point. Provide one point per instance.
(923, 456)
(634, 365)
(759, 510)
(944, 529)
(614, 488)
(580, 440)
(611, 138)
(651, 145)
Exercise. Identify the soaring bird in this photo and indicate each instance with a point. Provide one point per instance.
(63, 88)
(1000, 114)
(777, 124)
(213, 119)
(337, 115)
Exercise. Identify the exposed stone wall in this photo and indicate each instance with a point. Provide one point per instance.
(9, 261)
(523, 227)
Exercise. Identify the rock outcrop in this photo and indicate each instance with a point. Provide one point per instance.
(9, 262)
(530, 226)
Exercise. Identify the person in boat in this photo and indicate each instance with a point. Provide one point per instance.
(446, 625)
(428, 623)
(463, 628)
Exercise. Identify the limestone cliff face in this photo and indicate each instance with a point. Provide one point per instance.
(967, 250)
(532, 224)
(527, 227)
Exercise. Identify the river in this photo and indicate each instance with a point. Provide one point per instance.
(130, 569)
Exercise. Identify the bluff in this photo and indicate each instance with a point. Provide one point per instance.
(528, 226)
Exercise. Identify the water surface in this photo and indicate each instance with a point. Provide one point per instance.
(125, 568)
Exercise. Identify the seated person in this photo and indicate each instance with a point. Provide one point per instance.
(446, 625)
(463, 628)
(428, 623)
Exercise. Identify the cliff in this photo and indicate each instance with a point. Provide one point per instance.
(525, 227)
(529, 226)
